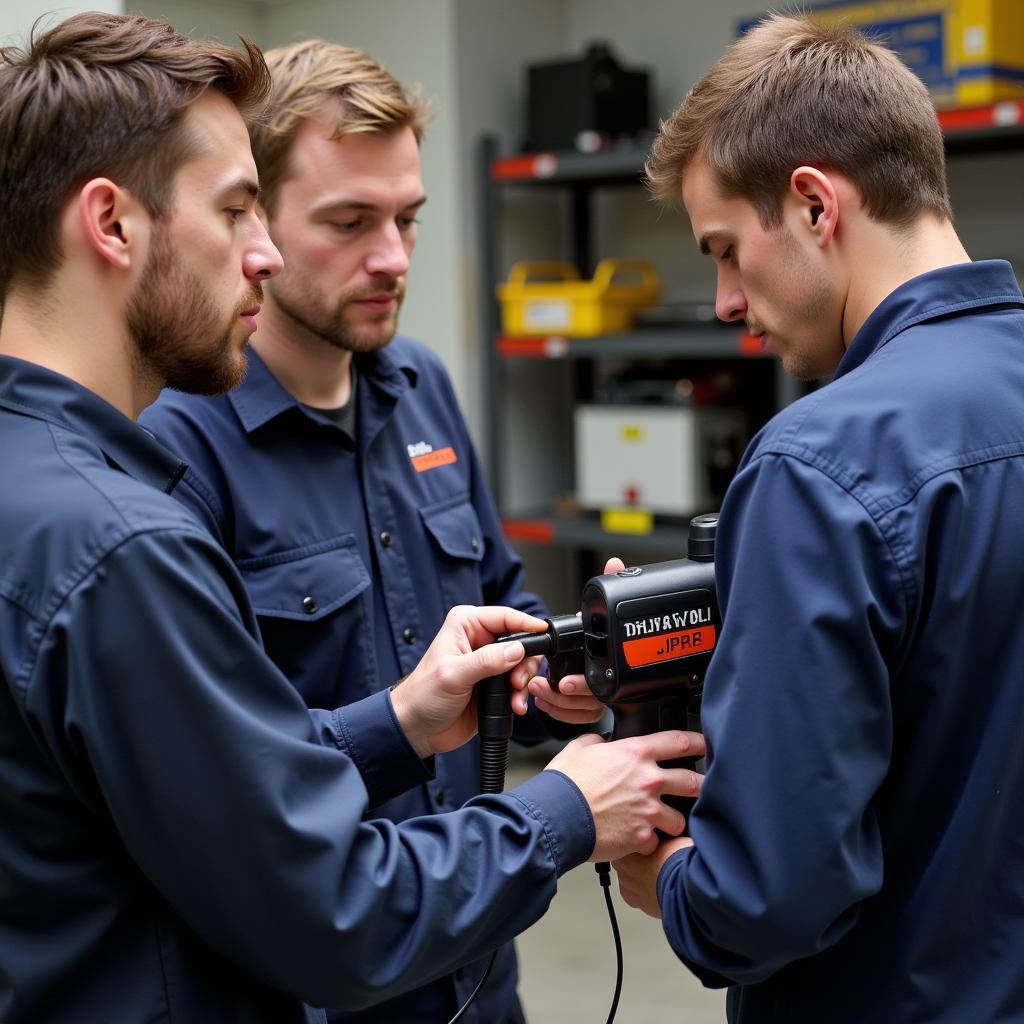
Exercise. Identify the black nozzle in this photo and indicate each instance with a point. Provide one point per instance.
(565, 633)
(700, 545)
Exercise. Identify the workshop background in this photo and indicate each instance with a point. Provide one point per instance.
(575, 431)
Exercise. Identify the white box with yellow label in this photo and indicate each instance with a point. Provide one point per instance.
(664, 458)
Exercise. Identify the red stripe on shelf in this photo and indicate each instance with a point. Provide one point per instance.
(536, 531)
(1006, 112)
(749, 344)
(534, 348)
(529, 165)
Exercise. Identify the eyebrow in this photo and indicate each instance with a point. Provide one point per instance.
(342, 203)
(246, 185)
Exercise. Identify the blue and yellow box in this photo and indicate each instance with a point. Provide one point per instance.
(968, 52)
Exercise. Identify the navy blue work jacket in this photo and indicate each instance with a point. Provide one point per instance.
(181, 839)
(352, 556)
(860, 836)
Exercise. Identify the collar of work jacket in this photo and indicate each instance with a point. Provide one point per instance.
(939, 293)
(43, 394)
(260, 398)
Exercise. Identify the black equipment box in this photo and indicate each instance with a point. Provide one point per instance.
(578, 104)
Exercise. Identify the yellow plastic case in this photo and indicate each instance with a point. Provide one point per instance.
(544, 297)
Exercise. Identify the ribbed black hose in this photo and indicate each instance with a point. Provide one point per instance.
(494, 714)
(493, 764)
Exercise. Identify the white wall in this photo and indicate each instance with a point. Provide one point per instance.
(18, 16)
(416, 43)
(223, 20)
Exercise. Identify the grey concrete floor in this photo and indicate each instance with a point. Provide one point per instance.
(567, 959)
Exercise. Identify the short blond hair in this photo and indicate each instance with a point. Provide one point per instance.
(316, 78)
(794, 91)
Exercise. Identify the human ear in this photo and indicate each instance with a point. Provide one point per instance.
(815, 194)
(111, 221)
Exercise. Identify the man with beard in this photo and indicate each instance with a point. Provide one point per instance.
(857, 851)
(181, 838)
(340, 476)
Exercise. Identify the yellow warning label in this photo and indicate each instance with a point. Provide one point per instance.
(627, 520)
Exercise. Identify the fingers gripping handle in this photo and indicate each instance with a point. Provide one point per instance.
(671, 711)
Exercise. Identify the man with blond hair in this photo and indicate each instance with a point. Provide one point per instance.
(181, 838)
(340, 475)
(857, 850)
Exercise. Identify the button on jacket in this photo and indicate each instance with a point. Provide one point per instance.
(353, 557)
(860, 835)
(181, 840)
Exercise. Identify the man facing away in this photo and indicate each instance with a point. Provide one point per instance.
(181, 839)
(340, 475)
(857, 850)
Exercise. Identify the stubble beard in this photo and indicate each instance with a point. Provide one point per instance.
(306, 309)
(180, 337)
(813, 313)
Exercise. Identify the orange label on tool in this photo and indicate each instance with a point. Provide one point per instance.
(442, 457)
(649, 650)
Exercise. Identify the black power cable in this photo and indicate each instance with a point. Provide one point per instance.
(473, 994)
(494, 718)
(604, 873)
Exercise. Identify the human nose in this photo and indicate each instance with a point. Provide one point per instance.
(261, 260)
(389, 253)
(730, 302)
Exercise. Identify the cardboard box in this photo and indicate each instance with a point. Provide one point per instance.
(968, 52)
(672, 460)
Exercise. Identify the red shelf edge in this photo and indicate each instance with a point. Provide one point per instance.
(534, 531)
(524, 167)
(1001, 114)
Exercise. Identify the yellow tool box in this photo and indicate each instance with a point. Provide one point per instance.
(968, 52)
(548, 297)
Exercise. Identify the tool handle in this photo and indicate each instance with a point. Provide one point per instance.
(677, 711)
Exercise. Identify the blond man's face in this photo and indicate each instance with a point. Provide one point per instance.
(345, 222)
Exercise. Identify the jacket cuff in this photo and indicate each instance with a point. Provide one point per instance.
(369, 732)
(557, 803)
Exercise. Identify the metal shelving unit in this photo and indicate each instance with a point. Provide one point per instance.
(993, 128)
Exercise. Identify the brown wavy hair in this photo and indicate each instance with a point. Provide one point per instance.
(101, 95)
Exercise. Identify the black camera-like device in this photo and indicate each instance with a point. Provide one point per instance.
(644, 641)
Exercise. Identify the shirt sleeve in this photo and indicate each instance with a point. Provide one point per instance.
(157, 699)
(369, 732)
(798, 720)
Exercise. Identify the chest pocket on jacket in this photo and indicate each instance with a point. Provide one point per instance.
(311, 603)
(455, 528)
